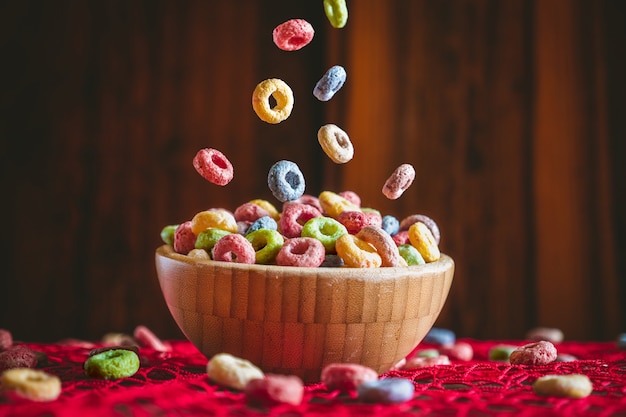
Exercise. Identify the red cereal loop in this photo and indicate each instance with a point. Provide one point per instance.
(301, 251)
(346, 376)
(18, 357)
(213, 166)
(6, 339)
(275, 389)
(293, 34)
(184, 238)
(537, 353)
(249, 212)
(294, 216)
(234, 248)
(401, 238)
(352, 197)
(354, 221)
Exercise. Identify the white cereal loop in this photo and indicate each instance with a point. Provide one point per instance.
(32, 384)
(231, 371)
(572, 385)
(335, 143)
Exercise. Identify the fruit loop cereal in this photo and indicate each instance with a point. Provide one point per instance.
(386, 391)
(18, 357)
(325, 229)
(384, 245)
(501, 353)
(294, 216)
(217, 218)
(32, 384)
(330, 83)
(336, 12)
(537, 353)
(429, 222)
(213, 166)
(112, 364)
(145, 337)
(346, 376)
(279, 91)
(285, 181)
(354, 221)
(275, 389)
(266, 243)
(357, 253)
(423, 362)
(439, 336)
(301, 251)
(184, 238)
(399, 181)
(333, 204)
(571, 386)
(460, 351)
(234, 248)
(549, 334)
(335, 143)
(231, 371)
(6, 339)
(421, 237)
(293, 34)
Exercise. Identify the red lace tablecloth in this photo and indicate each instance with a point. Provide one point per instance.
(176, 384)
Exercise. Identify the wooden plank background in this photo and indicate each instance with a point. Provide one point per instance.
(512, 113)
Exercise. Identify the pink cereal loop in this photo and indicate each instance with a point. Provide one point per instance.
(294, 216)
(384, 245)
(293, 34)
(147, 338)
(399, 181)
(301, 251)
(213, 166)
(234, 248)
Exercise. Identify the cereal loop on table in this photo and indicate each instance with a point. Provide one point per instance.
(231, 371)
(147, 338)
(285, 181)
(293, 34)
(275, 389)
(112, 364)
(335, 143)
(18, 357)
(399, 181)
(423, 240)
(570, 386)
(234, 248)
(213, 166)
(213, 218)
(336, 12)
(32, 384)
(537, 353)
(384, 245)
(386, 391)
(357, 253)
(6, 339)
(301, 251)
(330, 83)
(280, 92)
(346, 376)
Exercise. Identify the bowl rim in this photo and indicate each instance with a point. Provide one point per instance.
(444, 263)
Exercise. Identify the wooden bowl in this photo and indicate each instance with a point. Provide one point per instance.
(292, 320)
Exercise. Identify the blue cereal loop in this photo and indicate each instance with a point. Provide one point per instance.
(265, 222)
(285, 181)
(440, 336)
(391, 224)
(330, 83)
(386, 390)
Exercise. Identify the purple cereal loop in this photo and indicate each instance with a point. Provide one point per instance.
(330, 83)
(285, 181)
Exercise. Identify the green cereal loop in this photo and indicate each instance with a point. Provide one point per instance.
(209, 237)
(336, 12)
(428, 353)
(266, 243)
(411, 255)
(112, 364)
(501, 353)
(167, 234)
(370, 210)
(325, 229)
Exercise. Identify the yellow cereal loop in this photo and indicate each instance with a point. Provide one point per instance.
(333, 204)
(423, 240)
(269, 207)
(357, 253)
(32, 384)
(282, 94)
(215, 218)
(336, 12)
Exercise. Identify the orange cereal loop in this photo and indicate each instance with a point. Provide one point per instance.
(269, 207)
(384, 245)
(423, 240)
(32, 384)
(281, 92)
(214, 218)
(357, 253)
(333, 204)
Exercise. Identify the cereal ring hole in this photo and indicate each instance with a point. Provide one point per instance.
(296, 41)
(293, 179)
(219, 161)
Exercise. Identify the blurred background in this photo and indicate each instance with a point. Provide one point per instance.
(512, 113)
